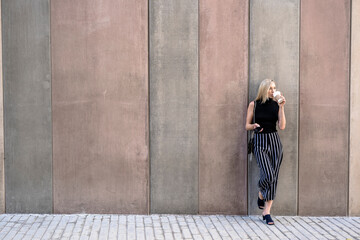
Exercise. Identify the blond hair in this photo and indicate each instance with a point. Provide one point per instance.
(263, 90)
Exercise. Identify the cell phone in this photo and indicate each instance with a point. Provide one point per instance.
(257, 130)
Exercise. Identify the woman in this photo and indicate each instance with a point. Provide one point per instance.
(267, 146)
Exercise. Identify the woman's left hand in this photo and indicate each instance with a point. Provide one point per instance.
(283, 101)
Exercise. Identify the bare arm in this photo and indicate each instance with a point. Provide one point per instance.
(249, 118)
(282, 119)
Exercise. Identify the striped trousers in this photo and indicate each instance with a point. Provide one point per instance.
(269, 154)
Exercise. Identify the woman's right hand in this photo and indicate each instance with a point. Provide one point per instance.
(257, 128)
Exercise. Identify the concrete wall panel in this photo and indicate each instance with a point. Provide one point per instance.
(274, 53)
(27, 106)
(354, 168)
(324, 107)
(100, 106)
(223, 105)
(174, 106)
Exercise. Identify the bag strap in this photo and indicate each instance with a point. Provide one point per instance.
(254, 111)
(252, 132)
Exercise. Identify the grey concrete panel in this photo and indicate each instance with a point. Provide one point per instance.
(27, 106)
(354, 165)
(2, 180)
(100, 106)
(274, 53)
(174, 106)
(223, 105)
(324, 107)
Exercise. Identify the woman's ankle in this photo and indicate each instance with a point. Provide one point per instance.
(265, 213)
(260, 196)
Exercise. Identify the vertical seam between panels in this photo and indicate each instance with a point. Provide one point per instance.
(198, 55)
(148, 110)
(3, 103)
(349, 114)
(298, 117)
(51, 112)
(248, 96)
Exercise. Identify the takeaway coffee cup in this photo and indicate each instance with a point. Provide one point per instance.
(277, 96)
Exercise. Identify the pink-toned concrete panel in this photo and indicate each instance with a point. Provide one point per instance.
(354, 166)
(223, 104)
(100, 106)
(324, 107)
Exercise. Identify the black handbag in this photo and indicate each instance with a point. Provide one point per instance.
(251, 140)
(251, 145)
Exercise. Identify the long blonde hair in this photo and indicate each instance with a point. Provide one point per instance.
(263, 90)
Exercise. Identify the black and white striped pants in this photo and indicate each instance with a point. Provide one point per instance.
(268, 153)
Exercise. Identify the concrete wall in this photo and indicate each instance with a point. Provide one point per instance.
(143, 108)
(324, 107)
(27, 106)
(174, 106)
(222, 106)
(274, 53)
(100, 106)
(2, 180)
(354, 165)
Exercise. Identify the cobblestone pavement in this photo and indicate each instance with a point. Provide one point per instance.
(92, 226)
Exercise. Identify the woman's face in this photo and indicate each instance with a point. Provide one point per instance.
(271, 90)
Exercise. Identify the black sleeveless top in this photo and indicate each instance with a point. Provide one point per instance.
(266, 115)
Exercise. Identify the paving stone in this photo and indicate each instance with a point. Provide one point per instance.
(334, 230)
(237, 227)
(41, 230)
(113, 231)
(197, 237)
(149, 233)
(96, 227)
(149, 227)
(282, 228)
(186, 233)
(131, 231)
(328, 229)
(305, 232)
(315, 226)
(30, 234)
(13, 231)
(48, 232)
(291, 228)
(223, 233)
(309, 228)
(352, 223)
(201, 226)
(105, 228)
(270, 231)
(86, 231)
(350, 233)
(245, 227)
(169, 236)
(229, 228)
(259, 231)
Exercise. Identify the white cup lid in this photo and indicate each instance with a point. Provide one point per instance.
(276, 93)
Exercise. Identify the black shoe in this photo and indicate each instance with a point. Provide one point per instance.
(261, 203)
(268, 219)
